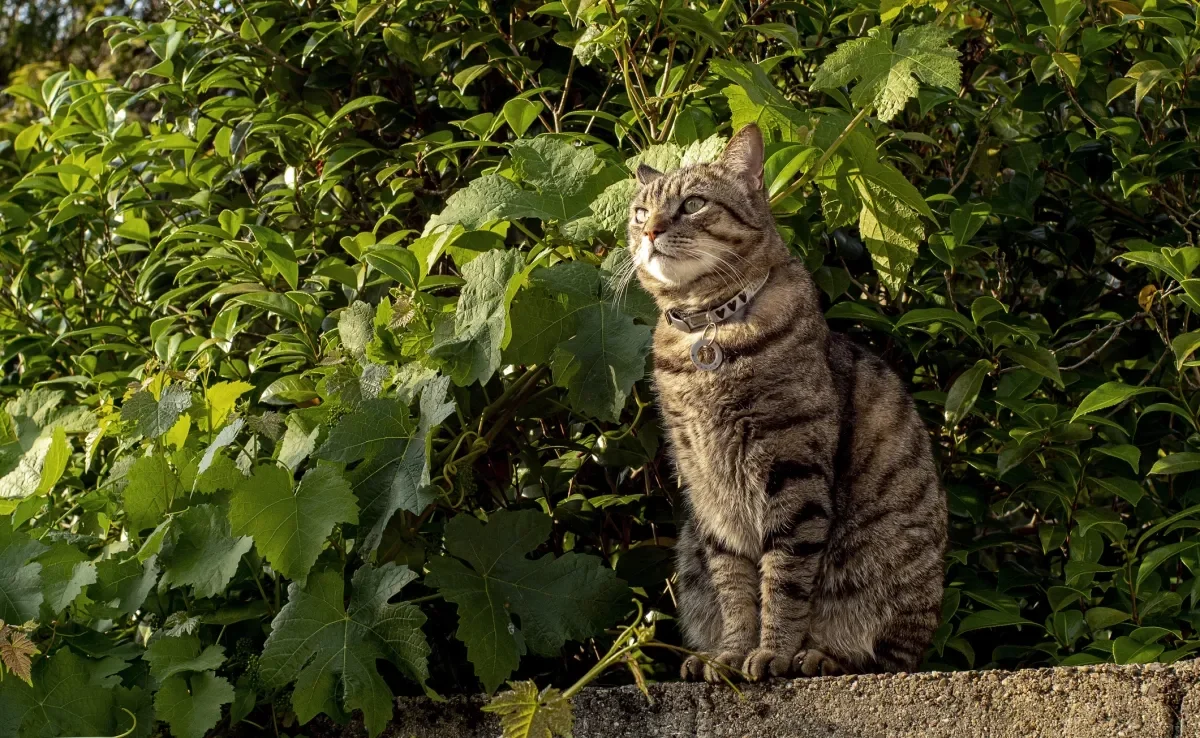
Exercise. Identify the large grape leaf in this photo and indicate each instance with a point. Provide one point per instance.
(29, 423)
(472, 354)
(544, 314)
(330, 650)
(395, 475)
(66, 572)
(856, 185)
(65, 699)
(191, 705)
(169, 656)
(151, 493)
(601, 363)
(759, 100)
(571, 597)
(892, 232)
(289, 523)
(202, 552)
(565, 180)
(154, 417)
(122, 584)
(596, 351)
(20, 578)
(885, 73)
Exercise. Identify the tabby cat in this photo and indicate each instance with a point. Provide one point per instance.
(815, 522)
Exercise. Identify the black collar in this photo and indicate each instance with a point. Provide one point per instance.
(732, 308)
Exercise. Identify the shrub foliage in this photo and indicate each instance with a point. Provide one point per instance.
(326, 380)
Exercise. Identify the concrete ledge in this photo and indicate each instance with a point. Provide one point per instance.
(1154, 701)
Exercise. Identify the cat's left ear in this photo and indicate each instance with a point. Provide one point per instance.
(744, 155)
(647, 174)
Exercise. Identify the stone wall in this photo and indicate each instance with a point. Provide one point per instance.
(1154, 701)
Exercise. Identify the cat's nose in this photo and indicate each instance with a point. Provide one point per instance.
(652, 232)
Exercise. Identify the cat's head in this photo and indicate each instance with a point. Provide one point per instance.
(706, 228)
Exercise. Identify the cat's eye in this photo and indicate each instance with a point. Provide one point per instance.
(640, 215)
(693, 204)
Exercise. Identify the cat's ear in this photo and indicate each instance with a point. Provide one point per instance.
(744, 155)
(647, 174)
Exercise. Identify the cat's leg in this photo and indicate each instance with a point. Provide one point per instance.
(735, 579)
(796, 531)
(699, 617)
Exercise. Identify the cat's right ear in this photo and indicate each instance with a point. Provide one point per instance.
(744, 155)
(647, 174)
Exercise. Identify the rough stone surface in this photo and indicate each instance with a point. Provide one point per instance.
(1149, 701)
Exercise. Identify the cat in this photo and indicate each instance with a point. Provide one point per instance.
(815, 523)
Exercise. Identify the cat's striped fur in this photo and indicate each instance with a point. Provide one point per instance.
(815, 523)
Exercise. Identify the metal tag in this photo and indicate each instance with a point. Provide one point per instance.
(706, 352)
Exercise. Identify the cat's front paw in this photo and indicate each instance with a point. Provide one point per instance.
(814, 662)
(764, 663)
(692, 669)
(723, 666)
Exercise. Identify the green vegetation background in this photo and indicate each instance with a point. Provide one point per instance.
(325, 383)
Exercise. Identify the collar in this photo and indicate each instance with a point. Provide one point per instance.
(732, 308)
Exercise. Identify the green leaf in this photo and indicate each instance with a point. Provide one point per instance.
(1102, 618)
(123, 584)
(192, 705)
(1126, 489)
(1158, 556)
(63, 701)
(992, 619)
(1180, 463)
(1068, 63)
(601, 362)
(279, 252)
(937, 315)
(1037, 360)
(289, 525)
(20, 578)
(472, 354)
(1107, 395)
(527, 713)
(356, 327)
(203, 555)
(565, 181)
(274, 303)
(151, 493)
(55, 462)
(571, 597)
(1184, 345)
(520, 113)
(892, 232)
(1125, 452)
(965, 390)
(66, 572)
(1128, 651)
(355, 104)
(399, 264)
(134, 228)
(966, 221)
(330, 650)
(886, 73)
(395, 475)
(169, 656)
(155, 417)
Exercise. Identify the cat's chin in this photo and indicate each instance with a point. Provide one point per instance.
(670, 270)
(673, 271)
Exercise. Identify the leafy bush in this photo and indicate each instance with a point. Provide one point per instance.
(327, 382)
